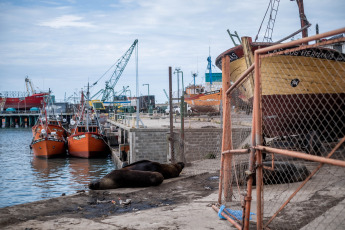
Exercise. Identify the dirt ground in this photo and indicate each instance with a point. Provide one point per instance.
(98, 205)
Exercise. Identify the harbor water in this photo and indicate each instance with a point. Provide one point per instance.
(25, 178)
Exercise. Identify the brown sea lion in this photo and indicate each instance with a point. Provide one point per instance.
(167, 170)
(283, 173)
(127, 179)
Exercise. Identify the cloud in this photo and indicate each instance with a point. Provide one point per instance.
(66, 21)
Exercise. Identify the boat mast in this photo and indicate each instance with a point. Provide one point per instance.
(87, 107)
(209, 66)
(303, 18)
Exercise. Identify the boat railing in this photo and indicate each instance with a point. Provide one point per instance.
(212, 92)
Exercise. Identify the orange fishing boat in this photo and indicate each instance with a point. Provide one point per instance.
(49, 138)
(202, 101)
(87, 139)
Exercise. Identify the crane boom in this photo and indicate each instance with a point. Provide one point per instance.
(166, 94)
(120, 65)
(29, 86)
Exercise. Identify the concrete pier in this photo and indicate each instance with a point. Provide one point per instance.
(23, 119)
(202, 137)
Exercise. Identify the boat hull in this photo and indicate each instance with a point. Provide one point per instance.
(87, 145)
(205, 103)
(313, 104)
(48, 148)
(59, 130)
(35, 100)
(304, 113)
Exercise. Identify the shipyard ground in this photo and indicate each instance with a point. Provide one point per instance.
(179, 203)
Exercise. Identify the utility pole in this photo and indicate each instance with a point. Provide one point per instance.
(177, 71)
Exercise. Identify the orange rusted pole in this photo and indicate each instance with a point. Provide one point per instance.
(258, 140)
(301, 155)
(221, 175)
(299, 41)
(236, 151)
(227, 139)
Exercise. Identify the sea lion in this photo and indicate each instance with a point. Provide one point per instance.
(167, 170)
(283, 173)
(126, 179)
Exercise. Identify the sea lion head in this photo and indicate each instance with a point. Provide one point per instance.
(94, 185)
(179, 166)
(104, 183)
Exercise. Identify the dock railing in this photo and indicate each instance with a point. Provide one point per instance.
(290, 172)
(125, 119)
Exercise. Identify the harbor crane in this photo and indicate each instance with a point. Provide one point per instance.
(29, 86)
(108, 93)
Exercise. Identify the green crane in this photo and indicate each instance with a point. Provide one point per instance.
(108, 93)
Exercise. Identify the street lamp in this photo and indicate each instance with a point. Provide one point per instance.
(178, 70)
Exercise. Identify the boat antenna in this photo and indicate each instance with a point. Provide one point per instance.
(194, 75)
(87, 107)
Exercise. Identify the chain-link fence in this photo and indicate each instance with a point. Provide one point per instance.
(291, 175)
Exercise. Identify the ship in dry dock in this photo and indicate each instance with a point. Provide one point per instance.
(316, 96)
(205, 99)
(21, 101)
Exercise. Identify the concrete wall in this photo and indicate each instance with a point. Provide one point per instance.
(153, 144)
(148, 144)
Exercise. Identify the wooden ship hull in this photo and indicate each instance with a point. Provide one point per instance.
(48, 147)
(305, 72)
(88, 145)
(205, 102)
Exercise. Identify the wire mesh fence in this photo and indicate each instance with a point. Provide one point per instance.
(296, 150)
(303, 109)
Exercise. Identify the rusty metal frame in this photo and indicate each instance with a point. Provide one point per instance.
(236, 151)
(306, 180)
(257, 113)
(257, 147)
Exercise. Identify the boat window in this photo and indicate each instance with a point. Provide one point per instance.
(338, 48)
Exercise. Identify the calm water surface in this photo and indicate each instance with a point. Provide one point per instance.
(26, 178)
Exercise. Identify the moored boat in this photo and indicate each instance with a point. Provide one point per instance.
(86, 139)
(49, 138)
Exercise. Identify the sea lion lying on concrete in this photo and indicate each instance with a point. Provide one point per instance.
(127, 179)
(138, 174)
(167, 170)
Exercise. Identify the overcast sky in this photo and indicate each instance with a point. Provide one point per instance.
(64, 44)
